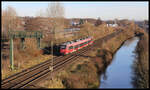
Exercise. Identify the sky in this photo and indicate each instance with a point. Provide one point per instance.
(104, 10)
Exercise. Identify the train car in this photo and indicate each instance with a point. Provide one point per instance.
(72, 46)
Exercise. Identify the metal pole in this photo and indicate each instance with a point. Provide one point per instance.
(11, 49)
(22, 43)
(11, 54)
(38, 42)
(52, 54)
(51, 65)
(53, 38)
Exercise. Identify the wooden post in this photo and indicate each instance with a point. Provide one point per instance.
(11, 54)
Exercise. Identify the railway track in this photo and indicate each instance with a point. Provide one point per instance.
(37, 72)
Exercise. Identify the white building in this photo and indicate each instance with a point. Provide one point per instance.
(112, 25)
(73, 23)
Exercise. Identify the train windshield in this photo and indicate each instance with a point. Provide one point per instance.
(63, 46)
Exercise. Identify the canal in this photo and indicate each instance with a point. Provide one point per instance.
(119, 73)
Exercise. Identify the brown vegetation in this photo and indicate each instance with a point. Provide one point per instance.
(10, 21)
(141, 64)
(85, 72)
(98, 22)
(31, 55)
(82, 74)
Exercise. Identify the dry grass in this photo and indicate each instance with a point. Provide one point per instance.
(54, 83)
(23, 59)
(82, 74)
(141, 65)
(85, 72)
(115, 42)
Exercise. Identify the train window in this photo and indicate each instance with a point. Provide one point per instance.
(71, 47)
(83, 43)
(76, 46)
(89, 41)
(63, 46)
(86, 42)
(79, 45)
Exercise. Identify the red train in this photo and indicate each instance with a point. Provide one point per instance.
(71, 46)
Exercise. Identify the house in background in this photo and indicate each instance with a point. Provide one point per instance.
(111, 24)
(74, 23)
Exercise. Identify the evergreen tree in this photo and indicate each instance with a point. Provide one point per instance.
(98, 22)
(81, 21)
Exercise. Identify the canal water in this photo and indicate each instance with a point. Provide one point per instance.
(119, 73)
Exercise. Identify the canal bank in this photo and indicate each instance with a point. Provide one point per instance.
(141, 64)
(118, 74)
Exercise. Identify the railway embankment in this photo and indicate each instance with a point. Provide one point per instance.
(85, 72)
(31, 55)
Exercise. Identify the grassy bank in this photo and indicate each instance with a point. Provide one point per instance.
(85, 72)
(141, 64)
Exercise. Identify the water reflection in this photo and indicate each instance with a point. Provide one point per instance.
(119, 73)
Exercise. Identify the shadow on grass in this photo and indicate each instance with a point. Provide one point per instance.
(56, 50)
(86, 56)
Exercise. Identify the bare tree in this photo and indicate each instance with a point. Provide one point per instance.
(40, 13)
(55, 12)
(9, 20)
(98, 22)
